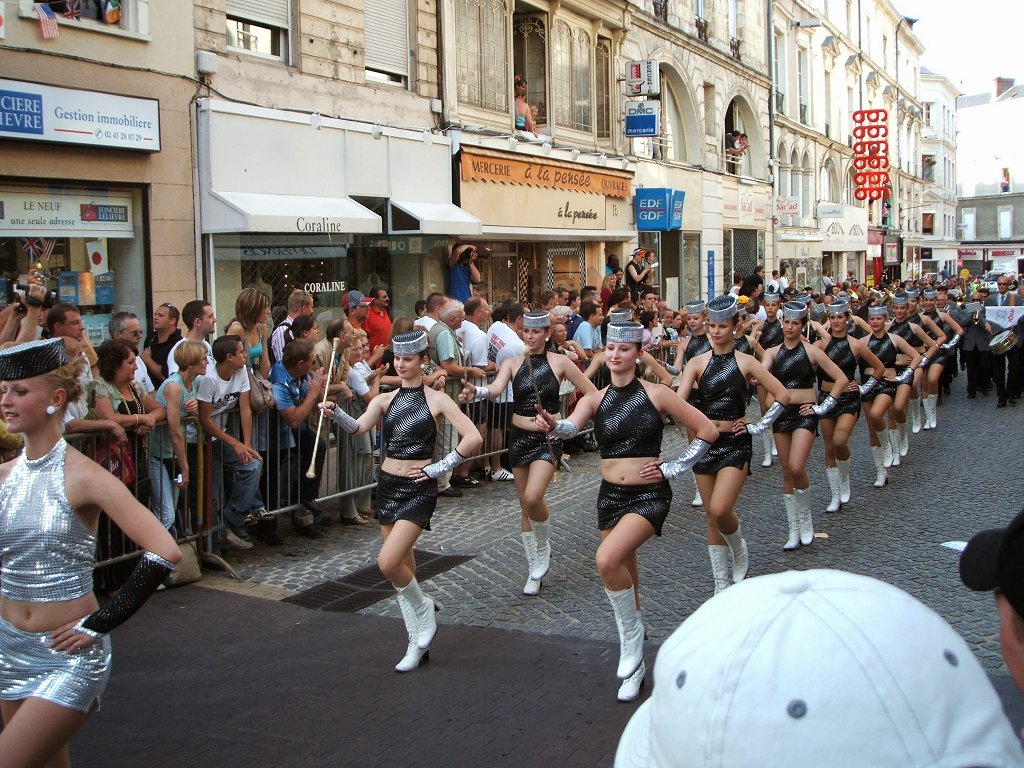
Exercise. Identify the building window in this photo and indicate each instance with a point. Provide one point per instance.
(928, 167)
(386, 40)
(779, 71)
(927, 116)
(803, 85)
(260, 28)
(1005, 214)
(482, 53)
(927, 223)
(967, 224)
(603, 79)
(571, 73)
(529, 53)
(125, 15)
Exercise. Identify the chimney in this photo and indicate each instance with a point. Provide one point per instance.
(1003, 84)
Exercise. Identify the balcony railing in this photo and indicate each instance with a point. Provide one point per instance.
(780, 103)
(661, 9)
(702, 28)
(734, 47)
(804, 114)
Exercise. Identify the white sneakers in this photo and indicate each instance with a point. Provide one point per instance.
(502, 475)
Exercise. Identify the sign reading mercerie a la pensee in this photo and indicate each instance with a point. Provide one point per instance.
(34, 112)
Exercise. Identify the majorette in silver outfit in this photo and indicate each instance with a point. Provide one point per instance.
(47, 554)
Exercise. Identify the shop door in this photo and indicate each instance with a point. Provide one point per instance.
(744, 251)
(566, 265)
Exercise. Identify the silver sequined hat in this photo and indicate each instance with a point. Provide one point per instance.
(929, 293)
(900, 298)
(695, 307)
(878, 312)
(722, 308)
(912, 293)
(411, 343)
(771, 296)
(619, 316)
(629, 333)
(34, 358)
(537, 320)
(838, 308)
(794, 310)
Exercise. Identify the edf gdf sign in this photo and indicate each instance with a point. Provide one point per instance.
(643, 118)
(658, 209)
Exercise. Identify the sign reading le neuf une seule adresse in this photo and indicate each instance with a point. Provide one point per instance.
(34, 112)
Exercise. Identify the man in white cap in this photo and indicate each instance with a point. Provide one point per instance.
(818, 668)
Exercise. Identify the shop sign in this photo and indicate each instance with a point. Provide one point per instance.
(35, 112)
(961, 252)
(745, 207)
(412, 245)
(62, 212)
(658, 209)
(891, 254)
(787, 206)
(1003, 253)
(643, 118)
(643, 78)
(871, 154)
(497, 167)
(546, 208)
(86, 289)
(830, 210)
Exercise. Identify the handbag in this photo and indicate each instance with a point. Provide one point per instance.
(261, 394)
(188, 568)
(117, 459)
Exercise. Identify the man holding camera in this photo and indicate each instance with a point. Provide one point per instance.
(462, 272)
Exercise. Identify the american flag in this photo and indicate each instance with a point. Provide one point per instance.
(73, 10)
(48, 26)
(37, 249)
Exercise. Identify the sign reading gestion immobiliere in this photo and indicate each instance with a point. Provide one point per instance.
(477, 166)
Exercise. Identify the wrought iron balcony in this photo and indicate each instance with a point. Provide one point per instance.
(734, 47)
(702, 28)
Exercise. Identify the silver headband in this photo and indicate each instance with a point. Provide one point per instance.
(618, 316)
(695, 307)
(878, 312)
(628, 333)
(930, 293)
(794, 310)
(899, 299)
(412, 343)
(33, 358)
(722, 308)
(537, 320)
(838, 308)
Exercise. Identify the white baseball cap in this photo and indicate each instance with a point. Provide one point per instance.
(816, 668)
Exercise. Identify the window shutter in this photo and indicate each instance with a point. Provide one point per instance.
(273, 13)
(386, 27)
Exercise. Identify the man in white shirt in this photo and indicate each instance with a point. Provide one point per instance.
(200, 322)
(474, 342)
(783, 281)
(299, 303)
(126, 325)
(221, 390)
(503, 342)
(435, 302)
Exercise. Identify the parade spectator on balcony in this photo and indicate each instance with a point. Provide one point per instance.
(524, 115)
(126, 326)
(223, 389)
(162, 338)
(378, 318)
(299, 303)
(200, 322)
(463, 273)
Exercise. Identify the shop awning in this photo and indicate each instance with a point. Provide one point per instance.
(431, 219)
(264, 212)
(551, 234)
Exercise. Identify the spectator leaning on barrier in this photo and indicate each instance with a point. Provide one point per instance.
(431, 311)
(299, 303)
(588, 333)
(200, 322)
(223, 389)
(503, 341)
(126, 325)
(474, 341)
(163, 336)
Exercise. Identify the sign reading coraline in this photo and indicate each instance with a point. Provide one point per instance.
(483, 165)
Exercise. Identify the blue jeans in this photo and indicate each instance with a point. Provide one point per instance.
(163, 498)
(245, 483)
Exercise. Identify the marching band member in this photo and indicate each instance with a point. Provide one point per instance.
(688, 347)
(795, 363)
(536, 377)
(769, 336)
(629, 419)
(719, 377)
(949, 328)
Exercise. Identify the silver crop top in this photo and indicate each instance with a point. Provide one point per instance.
(47, 553)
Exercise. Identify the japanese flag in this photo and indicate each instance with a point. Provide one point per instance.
(97, 250)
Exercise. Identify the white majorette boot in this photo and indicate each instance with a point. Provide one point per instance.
(802, 502)
(794, 523)
(540, 567)
(426, 622)
(532, 586)
(413, 654)
(631, 631)
(697, 500)
(719, 555)
(930, 404)
(630, 688)
(894, 443)
(914, 413)
(832, 473)
(740, 558)
(768, 443)
(775, 451)
(886, 441)
(843, 465)
(904, 443)
(881, 476)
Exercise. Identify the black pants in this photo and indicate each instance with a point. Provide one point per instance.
(979, 369)
(1006, 372)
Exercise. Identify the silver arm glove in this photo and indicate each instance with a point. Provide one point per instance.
(691, 456)
(564, 429)
(344, 420)
(826, 405)
(767, 420)
(924, 361)
(867, 386)
(480, 393)
(951, 344)
(672, 369)
(906, 377)
(449, 462)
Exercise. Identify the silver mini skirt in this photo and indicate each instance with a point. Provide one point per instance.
(29, 667)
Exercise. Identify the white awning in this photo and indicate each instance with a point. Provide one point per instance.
(265, 212)
(432, 219)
